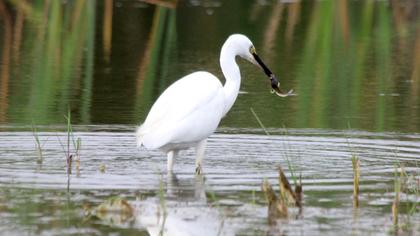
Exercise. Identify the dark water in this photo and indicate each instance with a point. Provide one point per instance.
(351, 63)
(355, 66)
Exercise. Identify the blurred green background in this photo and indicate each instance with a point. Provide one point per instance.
(351, 63)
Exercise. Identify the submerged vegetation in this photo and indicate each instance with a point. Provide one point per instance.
(115, 211)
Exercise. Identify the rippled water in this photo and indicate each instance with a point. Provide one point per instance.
(227, 200)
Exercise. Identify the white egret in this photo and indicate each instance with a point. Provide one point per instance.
(190, 110)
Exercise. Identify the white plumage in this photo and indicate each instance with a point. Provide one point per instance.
(186, 112)
(190, 110)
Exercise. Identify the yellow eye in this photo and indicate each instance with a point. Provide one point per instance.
(252, 50)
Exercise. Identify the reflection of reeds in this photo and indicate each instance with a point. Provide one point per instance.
(107, 28)
(154, 62)
(341, 51)
(415, 76)
(163, 3)
(272, 28)
(293, 16)
(54, 46)
(5, 61)
(343, 18)
(338, 51)
(17, 37)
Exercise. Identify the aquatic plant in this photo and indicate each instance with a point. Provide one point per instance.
(396, 202)
(289, 165)
(259, 121)
(409, 185)
(102, 168)
(78, 147)
(77, 144)
(38, 145)
(278, 205)
(355, 161)
(356, 176)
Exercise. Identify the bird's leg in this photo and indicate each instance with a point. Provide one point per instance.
(170, 164)
(200, 149)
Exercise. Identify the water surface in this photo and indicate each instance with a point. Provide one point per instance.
(227, 198)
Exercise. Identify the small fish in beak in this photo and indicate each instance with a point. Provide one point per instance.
(275, 84)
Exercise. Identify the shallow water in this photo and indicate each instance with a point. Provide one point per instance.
(227, 199)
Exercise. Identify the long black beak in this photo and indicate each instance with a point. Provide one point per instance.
(275, 84)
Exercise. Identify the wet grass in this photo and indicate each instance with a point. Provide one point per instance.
(278, 205)
(356, 176)
(70, 153)
(406, 184)
(355, 161)
(38, 145)
(259, 121)
(397, 190)
(77, 144)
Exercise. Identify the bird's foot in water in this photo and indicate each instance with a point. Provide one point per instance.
(198, 170)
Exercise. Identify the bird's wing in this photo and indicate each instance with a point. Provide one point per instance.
(182, 110)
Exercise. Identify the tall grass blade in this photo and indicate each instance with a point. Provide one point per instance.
(259, 121)
(356, 176)
(37, 144)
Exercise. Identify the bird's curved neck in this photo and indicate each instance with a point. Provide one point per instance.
(232, 75)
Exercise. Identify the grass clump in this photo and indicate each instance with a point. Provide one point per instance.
(278, 204)
(71, 140)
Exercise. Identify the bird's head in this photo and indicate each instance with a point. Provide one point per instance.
(245, 49)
